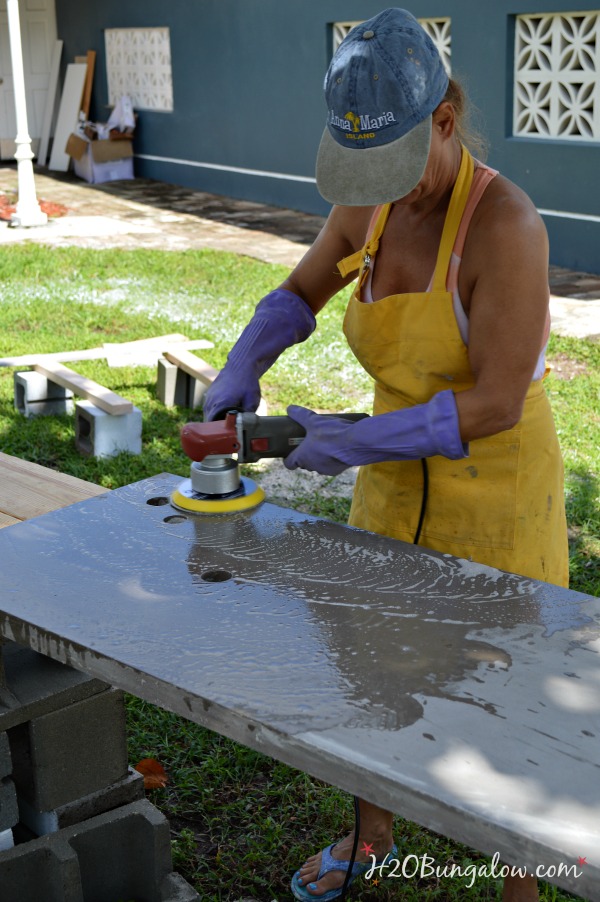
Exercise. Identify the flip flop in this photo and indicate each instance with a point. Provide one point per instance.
(329, 863)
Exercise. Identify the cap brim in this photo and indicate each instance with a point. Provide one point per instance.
(365, 177)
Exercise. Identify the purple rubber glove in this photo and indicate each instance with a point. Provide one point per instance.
(280, 320)
(333, 444)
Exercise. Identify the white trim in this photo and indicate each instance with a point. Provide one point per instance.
(260, 172)
(586, 217)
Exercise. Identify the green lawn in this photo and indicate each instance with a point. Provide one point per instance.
(242, 822)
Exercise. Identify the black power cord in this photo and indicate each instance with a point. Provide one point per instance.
(424, 497)
(354, 848)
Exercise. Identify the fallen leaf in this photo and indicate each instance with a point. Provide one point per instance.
(155, 776)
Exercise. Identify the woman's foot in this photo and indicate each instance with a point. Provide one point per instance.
(520, 889)
(308, 875)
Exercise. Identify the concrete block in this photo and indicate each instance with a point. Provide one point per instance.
(176, 388)
(5, 757)
(40, 870)
(35, 395)
(101, 434)
(123, 854)
(196, 392)
(171, 384)
(176, 889)
(7, 840)
(123, 792)
(36, 685)
(73, 752)
(9, 810)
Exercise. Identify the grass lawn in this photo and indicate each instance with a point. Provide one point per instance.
(241, 822)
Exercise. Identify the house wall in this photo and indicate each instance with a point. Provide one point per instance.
(247, 85)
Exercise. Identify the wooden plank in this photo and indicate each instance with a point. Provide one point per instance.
(192, 365)
(85, 388)
(50, 104)
(137, 353)
(28, 489)
(6, 520)
(89, 80)
(131, 353)
(68, 114)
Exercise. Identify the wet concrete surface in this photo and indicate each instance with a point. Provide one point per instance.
(146, 213)
(465, 698)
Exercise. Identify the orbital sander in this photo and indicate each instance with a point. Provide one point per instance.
(215, 485)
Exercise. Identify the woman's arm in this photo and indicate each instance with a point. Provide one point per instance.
(316, 278)
(506, 259)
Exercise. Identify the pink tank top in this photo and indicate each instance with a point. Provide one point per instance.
(482, 176)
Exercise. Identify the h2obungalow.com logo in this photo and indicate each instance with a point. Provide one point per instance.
(424, 866)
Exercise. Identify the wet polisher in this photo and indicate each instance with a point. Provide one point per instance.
(215, 485)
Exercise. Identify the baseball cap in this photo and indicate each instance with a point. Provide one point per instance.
(384, 82)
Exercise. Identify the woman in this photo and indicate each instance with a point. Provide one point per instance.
(449, 316)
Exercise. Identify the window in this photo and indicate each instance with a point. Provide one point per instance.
(557, 76)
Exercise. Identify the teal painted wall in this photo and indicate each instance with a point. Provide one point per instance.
(247, 84)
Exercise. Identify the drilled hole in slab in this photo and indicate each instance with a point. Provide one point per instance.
(156, 502)
(176, 518)
(216, 576)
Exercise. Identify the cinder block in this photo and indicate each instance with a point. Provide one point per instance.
(101, 434)
(36, 685)
(123, 792)
(123, 854)
(35, 395)
(73, 752)
(7, 840)
(175, 388)
(9, 810)
(171, 384)
(40, 870)
(196, 392)
(176, 889)
(5, 757)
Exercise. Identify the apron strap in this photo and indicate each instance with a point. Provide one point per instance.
(456, 208)
(460, 195)
(374, 232)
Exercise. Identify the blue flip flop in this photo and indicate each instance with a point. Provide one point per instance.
(329, 863)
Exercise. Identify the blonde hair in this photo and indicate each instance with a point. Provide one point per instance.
(466, 132)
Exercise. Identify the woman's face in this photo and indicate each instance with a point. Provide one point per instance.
(435, 173)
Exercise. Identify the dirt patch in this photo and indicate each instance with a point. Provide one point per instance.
(8, 206)
(565, 368)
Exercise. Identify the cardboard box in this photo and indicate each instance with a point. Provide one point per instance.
(101, 160)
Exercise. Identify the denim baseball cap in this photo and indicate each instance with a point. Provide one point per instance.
(384, 82)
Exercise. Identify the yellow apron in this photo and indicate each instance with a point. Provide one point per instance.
(504, 504)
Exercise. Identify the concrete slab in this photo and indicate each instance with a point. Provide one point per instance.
(462, 697)
(577, 318)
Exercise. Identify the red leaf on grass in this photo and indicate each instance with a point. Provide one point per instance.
(155, 776)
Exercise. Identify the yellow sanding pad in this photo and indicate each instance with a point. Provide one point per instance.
(186, 499)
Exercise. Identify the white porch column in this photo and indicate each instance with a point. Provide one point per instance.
(28, 212)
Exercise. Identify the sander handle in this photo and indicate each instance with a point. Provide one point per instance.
(273, 436)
